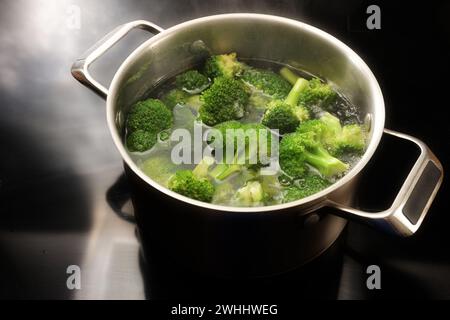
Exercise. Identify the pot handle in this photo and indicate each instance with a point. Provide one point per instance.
(412, 202)
(80, 68)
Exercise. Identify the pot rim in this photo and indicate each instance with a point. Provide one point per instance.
(377, 126)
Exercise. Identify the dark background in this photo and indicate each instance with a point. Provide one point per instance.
(58, 162)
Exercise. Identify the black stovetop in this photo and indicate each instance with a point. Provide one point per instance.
(61, 179)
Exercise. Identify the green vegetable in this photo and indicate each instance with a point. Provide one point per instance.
(290, 76)
(351, 140)
(337, 139)
(316, 93)
(177, 96)
(140, 140)
(187, 184)
(304, 187)
(192, 81)
(251, 194)
(201, 170)
(326, 128)
(267, 81)
(249, 156)
(286, 115)
(194, 184)
(224, 100)
(231, 125)
(271, 187)
(281, 116)
(224, 65)
(223, 193)
(174, 97)
(298, 150)
(150, 116)
(218, 95)
(194, 102)
(259, 100)
(159, 168)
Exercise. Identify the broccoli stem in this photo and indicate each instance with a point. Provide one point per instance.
(294, 95)
(201, 170)
(223, 171)
(324, 162)
(290, 76)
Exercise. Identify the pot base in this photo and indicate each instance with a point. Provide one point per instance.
(230, 244)
(164, 278)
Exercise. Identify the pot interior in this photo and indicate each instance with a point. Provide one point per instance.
(251, 36)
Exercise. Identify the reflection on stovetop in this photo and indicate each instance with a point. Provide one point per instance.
(107, 249)
(59, 170)
(339, 273)
(409, 268)
(166, 278)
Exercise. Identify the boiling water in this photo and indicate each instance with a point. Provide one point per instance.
(185, 117)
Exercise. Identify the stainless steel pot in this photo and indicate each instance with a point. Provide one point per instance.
(254, 241)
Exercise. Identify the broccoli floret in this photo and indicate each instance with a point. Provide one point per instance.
(247, 156)
(186, 183)
(298, 150)
(224, 100)
(281, 116)
(259, 100)
(192, 82)
(336, 139)
(224, 126)
(317, 93)
(224, 65)
(194, 102)
(301, 113)
(327, 128)
(159, 168)
(194, 184)
(314, 125)
(332, 123)
(304, 187)
(151, 116)
(177, 96)
(285, 115)
(224, 193)
(140, 141)
(251, 194)
(351, 140)
(234, 125)
(174, 97)
(267, 81)
(272, 188)
(228, 125)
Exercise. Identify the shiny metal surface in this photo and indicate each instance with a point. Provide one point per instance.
(321, 54)
(229, 244)
(279, 231)
(178, 47)
(395, 217)
(60, 163)
(80, 69)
